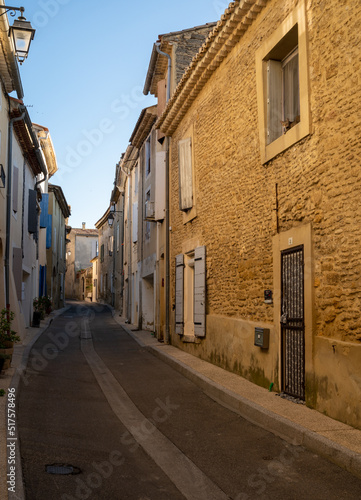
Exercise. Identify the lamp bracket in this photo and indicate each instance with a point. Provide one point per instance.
(12, 10)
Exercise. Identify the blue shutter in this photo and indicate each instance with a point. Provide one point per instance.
(49, 230)
(44, 210)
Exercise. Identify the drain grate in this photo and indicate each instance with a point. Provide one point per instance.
(63, 469)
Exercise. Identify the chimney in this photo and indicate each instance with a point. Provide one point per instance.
(83, 225)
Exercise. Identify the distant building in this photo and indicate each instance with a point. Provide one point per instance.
(80, 249)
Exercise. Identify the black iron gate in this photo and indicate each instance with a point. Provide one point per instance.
(292, 322)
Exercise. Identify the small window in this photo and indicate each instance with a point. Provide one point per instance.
(147, 223)
(136, 180)
(282, 86)
(102, 253)
(111, 245)
(147, 157)
(283, 90)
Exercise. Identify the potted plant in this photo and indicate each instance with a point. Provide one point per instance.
(7, 337)
(47, 304)
(5, 360)
(38, 313)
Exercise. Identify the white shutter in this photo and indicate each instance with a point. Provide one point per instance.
(135, 222)
(159, 198)
(179, 302)
(274, 100)
(200, 291)
(15, 188)
(185, 174)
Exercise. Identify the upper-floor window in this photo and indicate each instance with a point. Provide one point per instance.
(147, 157)
(282, 86)
(147, 222)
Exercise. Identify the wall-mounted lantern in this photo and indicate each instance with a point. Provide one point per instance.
(21, 32)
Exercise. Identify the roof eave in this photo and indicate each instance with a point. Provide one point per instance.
(227, 32)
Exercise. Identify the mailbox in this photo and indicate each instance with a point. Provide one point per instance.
(261, 337)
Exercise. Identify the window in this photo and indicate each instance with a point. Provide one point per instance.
(147, 157)
(136, 180)
(185, 174)
(282, 86)
(190, 293)
(110, 245)
(102, 253)
(147, 223)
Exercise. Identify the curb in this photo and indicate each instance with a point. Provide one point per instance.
(256, 414)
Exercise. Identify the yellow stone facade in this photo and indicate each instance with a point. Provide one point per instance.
(248, 210)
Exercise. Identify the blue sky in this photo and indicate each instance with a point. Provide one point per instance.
(84, 79)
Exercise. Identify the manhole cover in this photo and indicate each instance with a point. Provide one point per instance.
(62, 469)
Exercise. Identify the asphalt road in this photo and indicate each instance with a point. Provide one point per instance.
(133, 428)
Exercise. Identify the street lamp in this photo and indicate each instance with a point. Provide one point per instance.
(21, 32)
(111, 220)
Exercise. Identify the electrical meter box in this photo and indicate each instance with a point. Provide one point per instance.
(261, 337)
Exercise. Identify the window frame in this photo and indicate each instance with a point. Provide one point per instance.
(303, 127)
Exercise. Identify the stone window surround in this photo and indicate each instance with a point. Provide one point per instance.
(303, 128)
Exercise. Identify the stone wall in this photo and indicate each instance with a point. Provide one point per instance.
(317, 180)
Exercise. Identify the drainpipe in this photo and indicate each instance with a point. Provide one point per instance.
(8, 208)
(157, 46)
(167, 227)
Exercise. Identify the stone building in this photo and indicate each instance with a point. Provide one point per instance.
(58, 213)
(265, 179)
(105, 271)
(142, 179)
(81, 247)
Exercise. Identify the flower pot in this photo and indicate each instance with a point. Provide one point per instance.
(8, 352)
(36, 319)
(6, 364)
(8, 344)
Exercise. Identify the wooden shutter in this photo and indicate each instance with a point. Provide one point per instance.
(274, 100)
(18, 270)
(135, 222)
(44, 204)
(32, 213)
(49, 230)
(15, 188)
(200, 291)
(185, 174)
(179, 302)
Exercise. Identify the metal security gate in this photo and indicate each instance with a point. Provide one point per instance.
(292, 322)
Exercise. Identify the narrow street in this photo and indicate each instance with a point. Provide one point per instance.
(133, 428)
